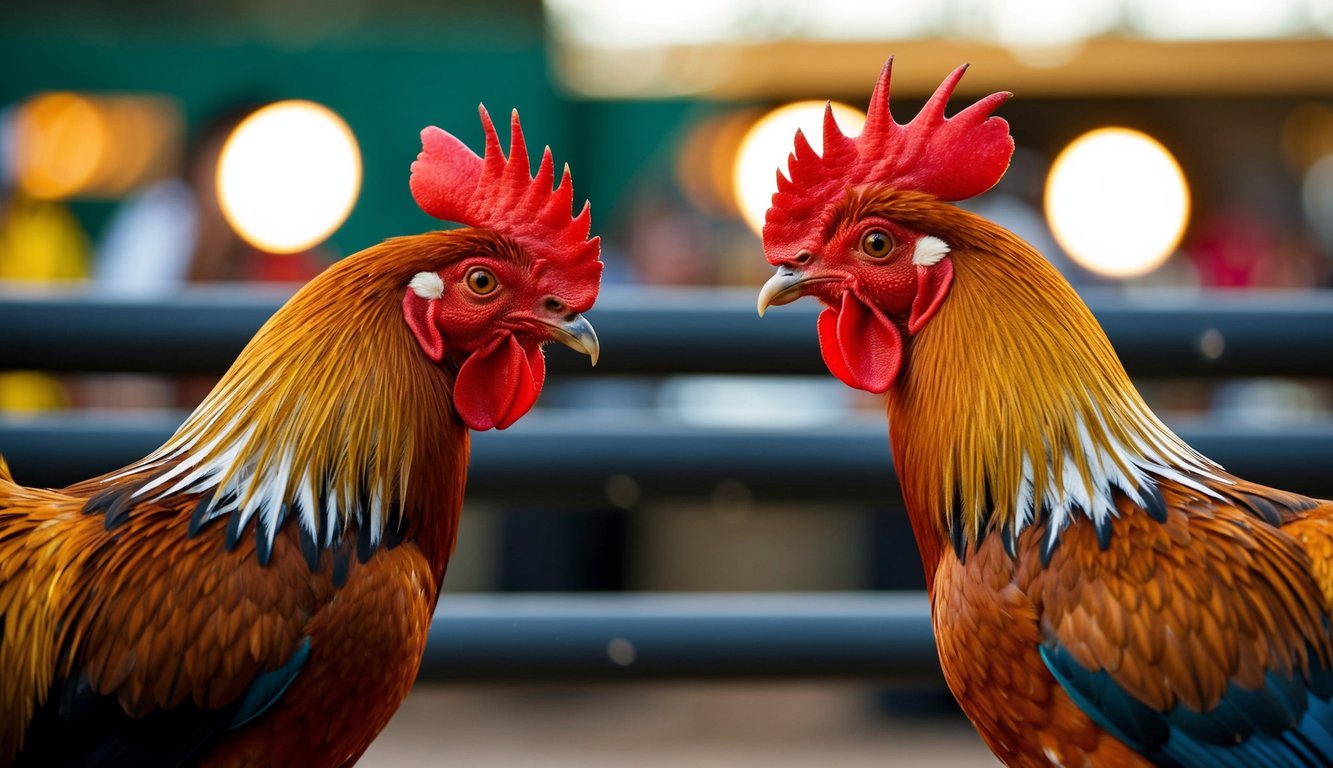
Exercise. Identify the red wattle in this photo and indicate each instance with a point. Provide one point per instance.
(497, 385)
(860, 346)
(830, 349)
(532, 376)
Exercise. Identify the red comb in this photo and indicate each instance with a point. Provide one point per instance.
(952, 158)
(449, 181)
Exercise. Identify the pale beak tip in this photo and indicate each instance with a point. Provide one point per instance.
(592, 346)
(578, 335)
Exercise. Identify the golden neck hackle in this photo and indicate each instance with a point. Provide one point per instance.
(330, 407)
(1012, 404)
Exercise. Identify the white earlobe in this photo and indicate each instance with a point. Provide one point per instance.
(427, 285)
(929, 251)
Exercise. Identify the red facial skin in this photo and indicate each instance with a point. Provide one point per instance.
(827, 200)
(497, 309)
(864, 273)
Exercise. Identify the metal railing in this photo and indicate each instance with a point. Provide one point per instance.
(655, 332)
(566, 461)
(650, 636)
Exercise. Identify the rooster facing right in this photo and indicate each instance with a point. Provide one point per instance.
(258, 591)
(1102, 594)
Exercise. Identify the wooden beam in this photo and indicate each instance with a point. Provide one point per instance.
(1101, 67)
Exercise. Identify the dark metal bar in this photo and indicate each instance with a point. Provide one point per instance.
(568, 462)
(647, 636)
(661, 331)
(201, 330)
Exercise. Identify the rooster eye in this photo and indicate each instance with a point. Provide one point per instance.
(877, 243)
(481, 281)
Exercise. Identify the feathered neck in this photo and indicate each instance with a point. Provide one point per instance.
(331, 417)
(1013, 410)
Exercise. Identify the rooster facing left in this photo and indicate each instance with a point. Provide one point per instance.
(258, 590)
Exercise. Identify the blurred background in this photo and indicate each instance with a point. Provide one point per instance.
(150, 148)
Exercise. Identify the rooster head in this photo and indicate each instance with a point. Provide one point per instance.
(521, 277)
(832, 233)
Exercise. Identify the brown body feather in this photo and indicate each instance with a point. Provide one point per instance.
(1236, 581)
(1176, 611)
(156, 617)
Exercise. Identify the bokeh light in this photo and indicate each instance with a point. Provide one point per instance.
(1117, 202)
(62, 139)
(765, 148)
(288, 176)
(66, 145)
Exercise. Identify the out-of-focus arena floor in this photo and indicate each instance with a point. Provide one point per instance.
(647, 726)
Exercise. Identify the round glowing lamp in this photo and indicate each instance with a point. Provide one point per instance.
(288, 176)
(1117, 202)
(768, 142)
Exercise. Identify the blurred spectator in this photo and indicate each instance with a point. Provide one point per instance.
(148, 243)
(667, 243)
(1241, 249)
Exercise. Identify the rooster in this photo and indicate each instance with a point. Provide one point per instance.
(1101, 593)
(258, 590)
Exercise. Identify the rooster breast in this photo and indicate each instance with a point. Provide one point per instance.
(366, 647)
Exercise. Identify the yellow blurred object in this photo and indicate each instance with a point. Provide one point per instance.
(30, 392)
(40, 241)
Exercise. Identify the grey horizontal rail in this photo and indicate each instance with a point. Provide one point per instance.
(569, 462)
(644, 636)
(646, 331)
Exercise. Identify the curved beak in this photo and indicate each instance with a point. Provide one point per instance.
(784, 287)
(577, 334)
